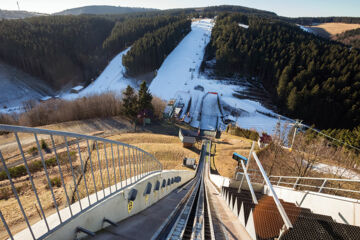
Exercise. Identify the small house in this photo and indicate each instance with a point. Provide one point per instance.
(187, 137)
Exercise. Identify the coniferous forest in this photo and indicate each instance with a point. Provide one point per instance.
(147, 53)
(310, 78)
(72, 49)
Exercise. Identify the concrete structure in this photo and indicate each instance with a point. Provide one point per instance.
(188, 138)
(115, 208)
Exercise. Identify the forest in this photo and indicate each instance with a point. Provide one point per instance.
(309, 77)
(126, 32)
(351, 38)
(65, 50)
(148, 53)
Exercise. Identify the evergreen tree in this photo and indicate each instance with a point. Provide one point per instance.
(130, 103)
(144, 99)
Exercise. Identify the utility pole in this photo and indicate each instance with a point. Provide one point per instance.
(18, 5)
(296, 126)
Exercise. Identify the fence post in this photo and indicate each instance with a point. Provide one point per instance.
(323, 185)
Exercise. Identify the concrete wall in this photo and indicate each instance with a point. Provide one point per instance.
(114, 208)
(341, 209)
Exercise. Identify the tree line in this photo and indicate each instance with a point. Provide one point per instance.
(148, 52)
(126, 32)
(57, 49)
(65, 50)
(309, 77)
(350, 37)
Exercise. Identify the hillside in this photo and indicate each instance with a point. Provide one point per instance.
(330, 30)
(350, 37)
(20, 87)
(5, 14)
(103, 10)
(308, 77)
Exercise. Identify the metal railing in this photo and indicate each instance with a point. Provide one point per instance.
(295, 182)
(46, 171)
(280, 207)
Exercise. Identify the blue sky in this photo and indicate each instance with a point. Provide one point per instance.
(291, 8)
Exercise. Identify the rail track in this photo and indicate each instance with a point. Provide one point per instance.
(192, 217)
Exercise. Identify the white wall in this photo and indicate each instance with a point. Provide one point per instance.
(114, 208)
(341, 209)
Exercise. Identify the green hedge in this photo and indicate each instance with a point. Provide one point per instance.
(36, 166)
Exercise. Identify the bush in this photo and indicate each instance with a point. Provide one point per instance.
(33, 151)
(249, 134)
(80, 109)
(3, 175)
(44, 145)
(5, 193)
(37, 165)
(55, 182)
(17, 171)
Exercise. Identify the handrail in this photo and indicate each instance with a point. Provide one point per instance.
(281, 209)
(320, 187)
(245, 169)
(315, 178)
(74, 162)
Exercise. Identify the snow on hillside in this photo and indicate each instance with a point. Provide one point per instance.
(306, 29)
(179, 75)
(110, 80)
(15, 89)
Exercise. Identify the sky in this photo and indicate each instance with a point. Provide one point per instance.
(288, 8)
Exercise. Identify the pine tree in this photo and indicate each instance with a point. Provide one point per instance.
(144, 99)
(130, 103)
(292, 100)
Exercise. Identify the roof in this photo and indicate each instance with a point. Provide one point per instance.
(188, 133)
(78, 88)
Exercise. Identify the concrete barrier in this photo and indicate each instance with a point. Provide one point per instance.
(341, 209)
(116, 207)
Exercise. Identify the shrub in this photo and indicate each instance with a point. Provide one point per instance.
(37, 165)
(22, 188)
(55, 182)
(237, 131)
(5, 193)
(3, 175)
(33, 151)
(17, 171)
(44, 145)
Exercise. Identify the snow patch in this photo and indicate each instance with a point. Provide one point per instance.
(243, 25)
(112, 79)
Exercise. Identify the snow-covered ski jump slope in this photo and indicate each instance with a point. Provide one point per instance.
(179, 75)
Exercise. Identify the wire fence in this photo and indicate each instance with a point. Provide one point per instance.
(48, 177)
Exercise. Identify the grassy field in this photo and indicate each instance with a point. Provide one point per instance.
(166, 148)
(222, 151)
(329, 30)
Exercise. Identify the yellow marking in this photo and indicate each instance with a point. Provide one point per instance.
(130, 206)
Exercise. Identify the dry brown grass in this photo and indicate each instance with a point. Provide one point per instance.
(167, 149)
(331, 29)
(225, 147)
